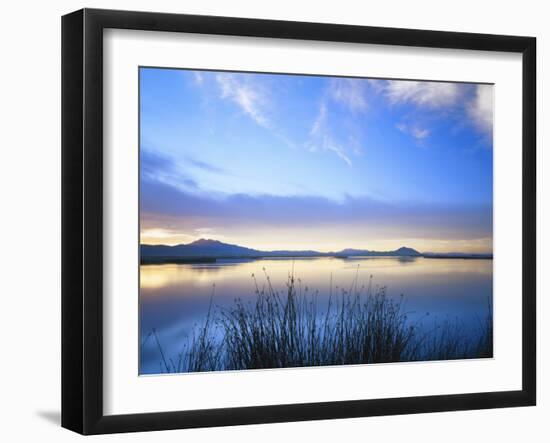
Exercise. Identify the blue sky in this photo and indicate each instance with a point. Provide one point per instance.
(287, 161)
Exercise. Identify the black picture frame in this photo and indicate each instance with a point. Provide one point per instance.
(82, 219)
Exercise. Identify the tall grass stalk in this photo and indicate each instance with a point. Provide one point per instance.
(359, 325)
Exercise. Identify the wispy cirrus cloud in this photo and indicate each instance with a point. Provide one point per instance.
(320, 122)
(429, 94)
(249, 97)
(352, 95)
(350, 92)
(254, 100)
(198, 78)
(322, 139)
(415, 131)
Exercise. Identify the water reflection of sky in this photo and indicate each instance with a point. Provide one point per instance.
(174, 298)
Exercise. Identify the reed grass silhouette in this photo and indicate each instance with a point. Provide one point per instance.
(290, 328)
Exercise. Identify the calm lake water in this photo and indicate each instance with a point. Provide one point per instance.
(174, 298)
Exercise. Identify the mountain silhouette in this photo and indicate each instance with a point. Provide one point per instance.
(218, 249)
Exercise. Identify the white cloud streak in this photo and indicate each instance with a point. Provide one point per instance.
(349, 92)
(245, 95)
(320, 121)
(415, 131)
(322, 139)
(429, 94)
(352, 95)
(198, 78)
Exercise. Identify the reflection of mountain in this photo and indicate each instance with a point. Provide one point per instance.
(216, 249)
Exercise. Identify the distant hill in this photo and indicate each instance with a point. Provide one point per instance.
(199, 248)
(205, 248)
(401, 252)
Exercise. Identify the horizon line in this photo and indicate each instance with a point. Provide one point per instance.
(316, 251)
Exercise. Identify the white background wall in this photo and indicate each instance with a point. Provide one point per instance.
(30, 218)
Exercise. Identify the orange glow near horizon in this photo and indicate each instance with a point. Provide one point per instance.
(321, 239)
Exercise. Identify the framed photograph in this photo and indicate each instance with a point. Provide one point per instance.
(269, 221)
